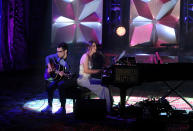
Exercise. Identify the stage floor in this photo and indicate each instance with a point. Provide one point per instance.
(22, 98)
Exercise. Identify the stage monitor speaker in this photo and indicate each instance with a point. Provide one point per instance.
(90, 109)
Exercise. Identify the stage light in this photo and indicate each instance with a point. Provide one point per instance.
(120, 31)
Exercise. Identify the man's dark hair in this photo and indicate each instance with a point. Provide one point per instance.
(63, 45)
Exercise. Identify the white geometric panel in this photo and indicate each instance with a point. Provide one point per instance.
(89, 9)
(83, 21)
(166, 8)
(96, 26)
(146, 0)
(164, 20)
(62, 19)
(136, 21)
(166, 33)
(68, 1)
(79, 35)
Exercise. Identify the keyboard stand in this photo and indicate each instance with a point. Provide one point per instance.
(173, 89)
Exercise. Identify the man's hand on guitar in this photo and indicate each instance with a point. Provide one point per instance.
(61, 73)
(57, 72)
(50, 68)
(66, 75)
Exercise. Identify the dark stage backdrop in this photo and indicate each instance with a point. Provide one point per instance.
(25, 33)
(26, 36)
(13, 46)
(1, 65)
(131, 15)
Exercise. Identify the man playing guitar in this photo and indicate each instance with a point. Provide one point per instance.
(57, 76)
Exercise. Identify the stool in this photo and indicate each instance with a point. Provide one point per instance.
(87, 108)
(85, 93)
(72, 93)
(90, 109)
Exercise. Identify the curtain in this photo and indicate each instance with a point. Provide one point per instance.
(13, 42)
(1, 65)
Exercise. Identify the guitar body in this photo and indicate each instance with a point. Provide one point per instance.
(54, 75)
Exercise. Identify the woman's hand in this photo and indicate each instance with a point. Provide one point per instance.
(97, 70)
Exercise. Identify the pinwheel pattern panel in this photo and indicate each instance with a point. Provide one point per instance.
(77, 21)
(153, 22)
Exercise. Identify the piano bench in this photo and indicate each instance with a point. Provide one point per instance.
(72, 93)
(85, 92)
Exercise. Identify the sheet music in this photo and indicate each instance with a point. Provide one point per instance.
(121, 55)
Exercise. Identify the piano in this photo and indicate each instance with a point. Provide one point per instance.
(125, 76)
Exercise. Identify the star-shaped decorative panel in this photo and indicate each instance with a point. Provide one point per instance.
(77, 21)
(153, 22)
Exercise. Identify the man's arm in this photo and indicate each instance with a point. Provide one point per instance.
(48, 64)
(50, 69)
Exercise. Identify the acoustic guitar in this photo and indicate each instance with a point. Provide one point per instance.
(54, 75)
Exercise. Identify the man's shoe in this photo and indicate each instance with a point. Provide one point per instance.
(48, 109)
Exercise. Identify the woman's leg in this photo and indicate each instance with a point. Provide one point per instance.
(95, 86)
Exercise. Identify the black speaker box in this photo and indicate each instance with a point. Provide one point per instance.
(90, 109)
